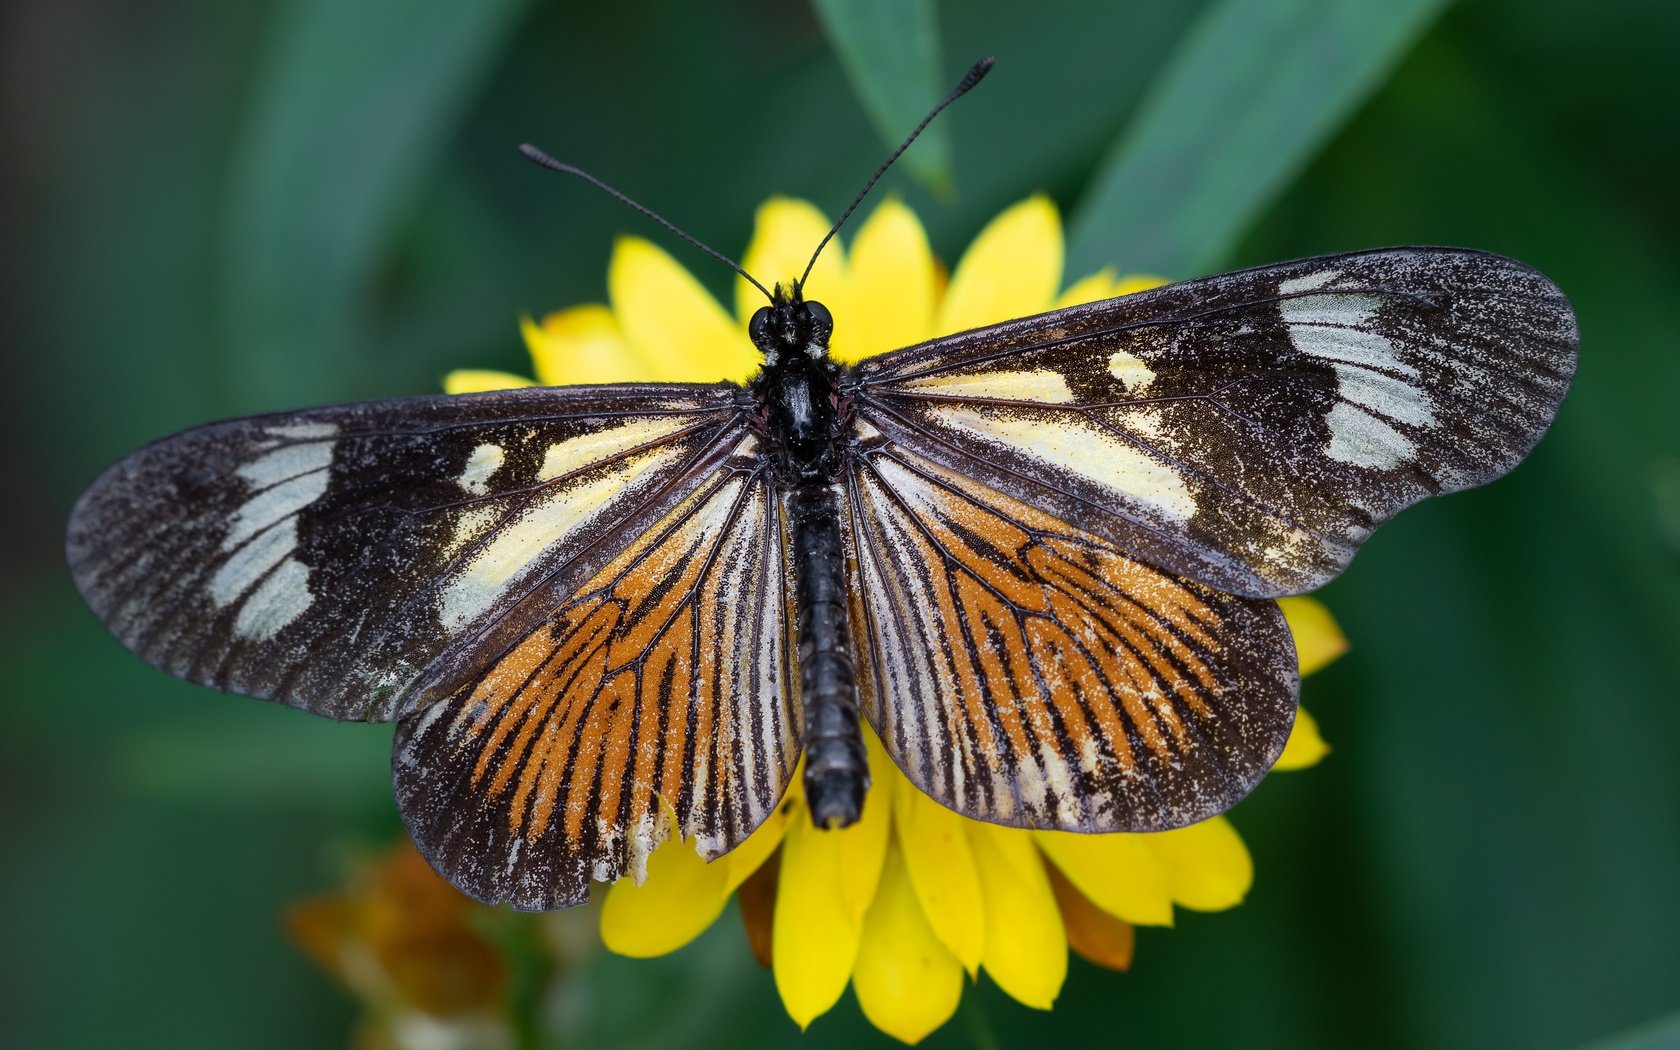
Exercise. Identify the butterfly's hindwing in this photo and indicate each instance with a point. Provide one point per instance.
(358, 561)
(1024, 671)
(664, 685)
(1247, 430)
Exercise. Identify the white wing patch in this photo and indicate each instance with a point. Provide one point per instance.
(252, 560)
(1082, 449)
(282, 597)
(1376, 388)
(263, 532)
(1307, 282)
(287, 462)
(277, 503)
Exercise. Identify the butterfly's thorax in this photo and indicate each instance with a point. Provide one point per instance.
(797, 397)
(800, 418)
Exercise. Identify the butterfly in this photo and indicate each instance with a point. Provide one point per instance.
(1038, 559)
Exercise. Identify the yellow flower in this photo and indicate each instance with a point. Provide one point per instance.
(913, 899)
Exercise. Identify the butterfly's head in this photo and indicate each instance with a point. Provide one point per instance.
(791, 324)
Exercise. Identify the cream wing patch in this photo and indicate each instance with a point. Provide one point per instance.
(1041, 385)
(1081, 448)
(1376, 388)
(481, 467)
(552, 518)
(575, 453)
(1133, 374)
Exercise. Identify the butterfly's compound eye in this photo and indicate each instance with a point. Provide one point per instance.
(819, 314)
(759, 325)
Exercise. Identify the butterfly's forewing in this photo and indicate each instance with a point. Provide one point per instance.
(1025, 671)
(662, 686)
(361, 561)
(1045, 515)
(1247, 430)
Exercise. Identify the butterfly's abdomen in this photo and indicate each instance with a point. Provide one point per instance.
(836, 766)
(801, 419)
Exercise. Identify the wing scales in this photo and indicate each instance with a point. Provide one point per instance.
(1247, 430)
(661, 688)
(1025, 671)
(352, 560)
(577, 602)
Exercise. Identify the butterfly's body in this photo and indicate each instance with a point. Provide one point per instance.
(799, 416)
(1038, 557)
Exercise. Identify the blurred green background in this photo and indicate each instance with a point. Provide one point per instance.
(211, 209)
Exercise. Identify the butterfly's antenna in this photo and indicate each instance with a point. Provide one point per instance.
(537, 156)
(971, 78)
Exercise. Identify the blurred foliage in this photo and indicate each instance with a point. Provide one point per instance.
(890, 51)
(218, 208)
(1225, 124)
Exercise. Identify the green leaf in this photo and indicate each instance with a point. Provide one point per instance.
(1256, 88)
(890, 51)
(343, 126)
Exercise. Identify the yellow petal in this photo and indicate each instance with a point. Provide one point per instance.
(1026, 946)
(1137, 282)
(1011, 270)
(942, 871)
(671, 321)
(1305, 746)
(863, 846)
(1096, 935)
(680, 897)
(1318, 638)
(1120, 874)
(786, 231)
(891, 287)
(1099, 285)
(750, 855)
(907, 982)
(479, 380)
(815, 939)
(1208, 867)
(582, 345)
